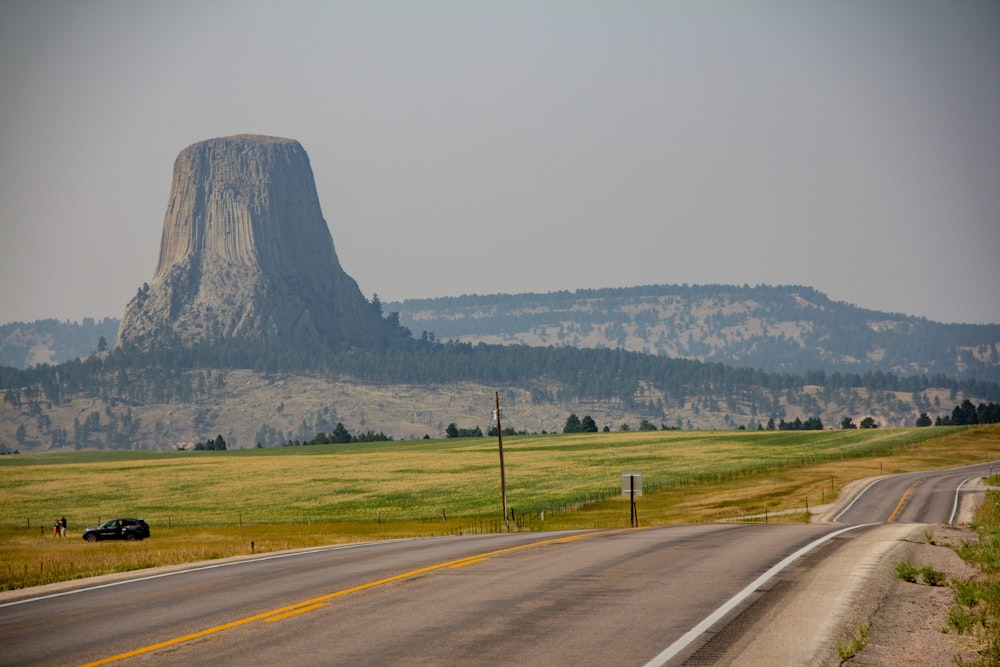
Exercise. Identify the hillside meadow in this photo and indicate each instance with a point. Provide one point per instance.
(205, 505)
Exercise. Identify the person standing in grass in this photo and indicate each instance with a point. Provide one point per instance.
(62, 526)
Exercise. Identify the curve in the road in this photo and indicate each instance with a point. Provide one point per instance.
(912, 496)
(694, 633)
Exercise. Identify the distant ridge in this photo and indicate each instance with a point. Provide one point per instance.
(24, 344)
(791, 328)
(129, 399)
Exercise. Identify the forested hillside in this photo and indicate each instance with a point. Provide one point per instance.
(51, 341)
(786, 329)
(665, 357)
(252, 395)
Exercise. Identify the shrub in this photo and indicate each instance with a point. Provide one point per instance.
(907, 571)
(980, 599)
(960, 619)
(849, 648)
(965, 593)
(931, 576)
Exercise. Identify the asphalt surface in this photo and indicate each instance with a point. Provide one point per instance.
(629, 597)
(925, 497)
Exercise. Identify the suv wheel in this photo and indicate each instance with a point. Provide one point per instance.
(90, 537)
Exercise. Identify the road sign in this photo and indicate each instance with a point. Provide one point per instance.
(631, 483)
(632, 487)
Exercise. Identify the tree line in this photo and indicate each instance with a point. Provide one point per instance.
(642, 382)
(339, 435)
(159, 375)
(216, 445)
(966, 414)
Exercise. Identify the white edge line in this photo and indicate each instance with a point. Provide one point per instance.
(958, 492)
(843, 511)
(856, 498)
(713, 618)
(188, 570)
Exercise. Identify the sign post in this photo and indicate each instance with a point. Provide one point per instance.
(632, 487)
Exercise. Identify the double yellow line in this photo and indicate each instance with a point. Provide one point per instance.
(902, 501)
(323, 600)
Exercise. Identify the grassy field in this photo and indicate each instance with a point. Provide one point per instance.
(204, 505)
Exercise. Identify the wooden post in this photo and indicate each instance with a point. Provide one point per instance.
(503, 476)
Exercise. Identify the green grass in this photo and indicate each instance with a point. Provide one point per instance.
(214, 504)
(848, 648)
(932, 576)
(404, 480)
(907, 571)
(977, 602)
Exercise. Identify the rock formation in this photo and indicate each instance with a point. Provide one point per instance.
(246, 254)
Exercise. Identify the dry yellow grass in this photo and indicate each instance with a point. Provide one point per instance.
(211, 505)
(779, 493)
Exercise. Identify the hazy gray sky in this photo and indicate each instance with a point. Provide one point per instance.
(463, 147)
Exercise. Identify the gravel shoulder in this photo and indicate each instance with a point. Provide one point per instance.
(854, 583)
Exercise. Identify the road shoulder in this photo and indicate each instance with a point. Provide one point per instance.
(854, 583)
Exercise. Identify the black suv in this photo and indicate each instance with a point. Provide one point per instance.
(118, 529)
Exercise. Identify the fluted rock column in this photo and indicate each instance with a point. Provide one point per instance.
(246, 254)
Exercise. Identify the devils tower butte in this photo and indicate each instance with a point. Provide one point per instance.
(246, 254)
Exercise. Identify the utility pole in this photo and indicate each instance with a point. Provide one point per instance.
(503, 478)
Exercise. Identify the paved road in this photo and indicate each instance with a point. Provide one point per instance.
(575, 598)
(924, 497)
(613, 597)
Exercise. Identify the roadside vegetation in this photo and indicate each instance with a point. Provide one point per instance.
(976, 611)
(850, 647)
(214, 504)
(909, 572)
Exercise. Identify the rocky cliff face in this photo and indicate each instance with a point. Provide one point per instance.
(246, 254)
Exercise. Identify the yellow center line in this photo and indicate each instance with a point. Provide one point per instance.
(279, 617)
(315, 603)
(902, 501)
